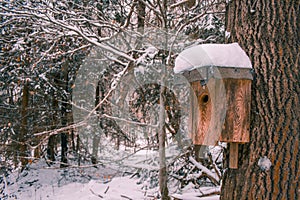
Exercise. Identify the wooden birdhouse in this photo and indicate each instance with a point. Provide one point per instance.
(220, 76)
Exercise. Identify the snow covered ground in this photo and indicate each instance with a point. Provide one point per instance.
(71, 184)
(41, 182)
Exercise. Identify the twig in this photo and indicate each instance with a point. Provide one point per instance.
(98, 195)
(214, 166)
(210, 194)
(106, 190)
(178, 4)
(126, 197)
(129, 121)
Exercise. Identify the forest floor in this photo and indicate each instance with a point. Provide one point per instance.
(41, 182)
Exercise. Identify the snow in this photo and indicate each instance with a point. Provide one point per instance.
(39, 181)
(264, 163)
(69, 184)
(207, 193)
(149, 53)
(225, 55)
(227, 34)
(118, 188)
(115, 179)
(193, 197)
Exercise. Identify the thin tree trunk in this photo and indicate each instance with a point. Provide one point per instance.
(141, 8)
(24, 122)
(10, 92)
(268, 32)
(64, 120)
(51, 149)
(53, 139)
(99, 110)
(70, 118)
(163, 175)
(141, 13)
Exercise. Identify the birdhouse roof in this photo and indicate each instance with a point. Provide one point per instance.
(219, 55)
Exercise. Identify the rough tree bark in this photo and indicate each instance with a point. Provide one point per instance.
(268, 32)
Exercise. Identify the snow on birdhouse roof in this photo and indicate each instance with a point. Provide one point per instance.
(221, 55)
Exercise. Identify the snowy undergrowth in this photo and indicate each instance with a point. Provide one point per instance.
(41, 182)
(126, 176)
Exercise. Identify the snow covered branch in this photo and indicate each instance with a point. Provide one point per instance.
(71, 24)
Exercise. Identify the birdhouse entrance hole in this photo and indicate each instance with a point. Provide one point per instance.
(204, 98)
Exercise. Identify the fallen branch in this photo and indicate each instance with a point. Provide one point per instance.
(213, 177)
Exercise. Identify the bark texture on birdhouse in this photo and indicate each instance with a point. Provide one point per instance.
(220, 105)
(220, 78)
(207, 112)
(237, 121)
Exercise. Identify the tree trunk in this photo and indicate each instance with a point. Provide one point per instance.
(141, 12)
(99, 111)
(64, 111)
(163, 176)
(53, 139)
(267, 31)
(23, 133)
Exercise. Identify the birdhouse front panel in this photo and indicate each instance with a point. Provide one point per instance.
(200, 113)
(207, 112)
